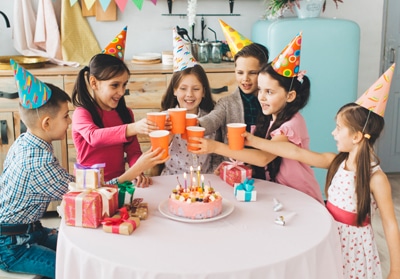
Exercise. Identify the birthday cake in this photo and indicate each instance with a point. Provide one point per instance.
(195, 202)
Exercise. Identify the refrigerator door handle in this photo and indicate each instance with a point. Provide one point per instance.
(392, 55)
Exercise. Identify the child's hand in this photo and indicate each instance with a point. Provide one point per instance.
(143, 181)
(248, 138)
(205, 146)
(168, 124)
(144, 126)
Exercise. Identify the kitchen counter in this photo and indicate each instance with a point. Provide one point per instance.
(52, 69)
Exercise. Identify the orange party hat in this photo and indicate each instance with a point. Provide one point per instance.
(117, 46)
(32, 92)
(287, 63)
(235, 40)
(375, 98)
(183, 57)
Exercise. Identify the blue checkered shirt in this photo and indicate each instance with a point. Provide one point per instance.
(32, 177)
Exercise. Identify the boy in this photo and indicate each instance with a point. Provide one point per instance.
(32, 178)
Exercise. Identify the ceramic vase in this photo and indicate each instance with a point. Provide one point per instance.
(309, 8)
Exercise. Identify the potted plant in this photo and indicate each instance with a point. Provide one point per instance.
(276, 8)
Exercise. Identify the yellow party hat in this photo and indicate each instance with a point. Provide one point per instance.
(117, 46)
(287, 63)
(375, 98)
(235, 40)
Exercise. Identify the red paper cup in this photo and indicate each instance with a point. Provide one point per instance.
(194, 131)
(160, 138)
(158, 118)
(191, 120)
(178, 119)
(235, 139)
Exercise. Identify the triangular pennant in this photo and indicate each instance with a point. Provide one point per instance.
(104, 4)
(183, 57)
(72, 2)
(121, 4)
(287, 63)
(375, 98)
(138, 3)
(117, 46)
(89, 3)
(235, 40)
(154, 2)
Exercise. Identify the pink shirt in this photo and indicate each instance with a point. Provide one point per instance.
(107, 145)
(293, 173)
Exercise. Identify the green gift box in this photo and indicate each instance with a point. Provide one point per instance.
(125, 193)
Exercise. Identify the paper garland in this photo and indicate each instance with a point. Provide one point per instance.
(105, 3)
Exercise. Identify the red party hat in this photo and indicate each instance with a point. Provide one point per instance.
(117, 46)
(287, 63)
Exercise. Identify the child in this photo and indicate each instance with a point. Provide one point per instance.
(355, 184)
(281, 98)
(103, 127)
(189, 88)
(32, 178)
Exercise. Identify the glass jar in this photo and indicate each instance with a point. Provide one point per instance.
(216, 55)
(203, 52)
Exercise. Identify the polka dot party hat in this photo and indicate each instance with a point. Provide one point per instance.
(183, 57)
(235, 40)
(32, 92)
(375, 98)
(117, 46)
(287, 63)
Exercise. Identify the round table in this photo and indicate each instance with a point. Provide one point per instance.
(246, 243)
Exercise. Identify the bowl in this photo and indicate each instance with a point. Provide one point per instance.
(28, 62)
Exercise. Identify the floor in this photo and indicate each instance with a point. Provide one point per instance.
(52, 220)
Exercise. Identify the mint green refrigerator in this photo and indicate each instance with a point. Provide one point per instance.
(330, 55)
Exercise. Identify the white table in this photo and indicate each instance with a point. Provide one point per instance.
(245, 244)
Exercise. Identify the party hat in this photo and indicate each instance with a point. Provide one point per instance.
(235, 40)
(375, 98)
(32, 92)
(117, 46)
(287, 63)
(183, 57)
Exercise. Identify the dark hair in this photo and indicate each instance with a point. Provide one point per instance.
(355, 117)
(170, 101)
(102, 67)
(263, 121)
(255, 50)
(51, 107)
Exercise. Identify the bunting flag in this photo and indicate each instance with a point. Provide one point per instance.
(154, 2)
(104, 4)
(89, 3)
(72, 2)
(121, 4)
(138, 3)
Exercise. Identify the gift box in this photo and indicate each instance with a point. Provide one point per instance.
(138, 208)
(245, 191)
(234, 172)
(125, 193)
(86, 208)
(89, 177)
(121, 223)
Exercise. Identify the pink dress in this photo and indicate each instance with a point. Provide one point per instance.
(359, 250)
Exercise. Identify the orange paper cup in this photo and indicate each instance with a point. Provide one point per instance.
(158, 117)
(235, 139)
(194, 131)
(178, 119)
(191, 120)
(160, 138)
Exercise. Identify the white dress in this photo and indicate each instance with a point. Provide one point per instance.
(359, 250)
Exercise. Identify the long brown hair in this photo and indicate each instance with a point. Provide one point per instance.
(359, 119)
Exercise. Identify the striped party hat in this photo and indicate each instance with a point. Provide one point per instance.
(183, 57)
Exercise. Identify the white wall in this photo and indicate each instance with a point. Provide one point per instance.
(149, 31)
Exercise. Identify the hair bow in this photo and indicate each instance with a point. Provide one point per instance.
(300, 75)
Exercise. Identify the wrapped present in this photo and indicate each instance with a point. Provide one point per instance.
(89, 177)
(245, 191)
(87, 207)
(125, 193)
(121, 223)
(138, 208)
(234, 172)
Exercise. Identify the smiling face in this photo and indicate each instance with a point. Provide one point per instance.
(246, 73)
(107, 93)
(343, 135)
(272, 96)
(189, 93)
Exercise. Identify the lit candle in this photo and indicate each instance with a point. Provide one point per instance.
(202, 182)
(191, 175)
(194, 181)
(184, 178)
(198, 176)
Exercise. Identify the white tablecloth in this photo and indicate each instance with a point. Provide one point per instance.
(245, 244)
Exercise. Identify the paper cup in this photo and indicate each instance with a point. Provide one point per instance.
(160, 138)
(178, 119)
(167, 58)
(191, 120)
(235, 139)
(194, 131)
(158, 118)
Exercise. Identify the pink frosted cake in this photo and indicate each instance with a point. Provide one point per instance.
(195, 202)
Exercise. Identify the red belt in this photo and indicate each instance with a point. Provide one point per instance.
(344, 216)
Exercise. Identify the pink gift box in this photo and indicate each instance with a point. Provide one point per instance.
(82, 209)
(234, 172)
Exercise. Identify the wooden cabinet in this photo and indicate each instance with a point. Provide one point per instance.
(146, 87)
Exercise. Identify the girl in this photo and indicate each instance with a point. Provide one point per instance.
(190, 89)
(280, 98)
(103, 128)
(355, 187)
(242, 105)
